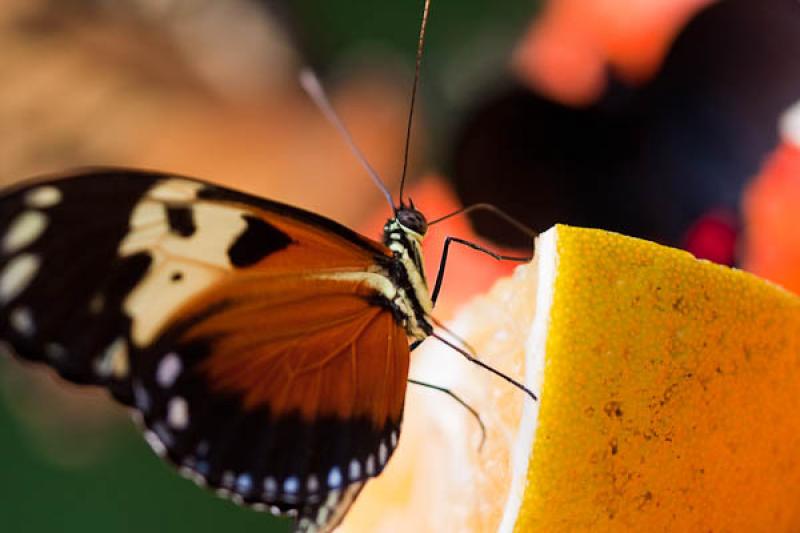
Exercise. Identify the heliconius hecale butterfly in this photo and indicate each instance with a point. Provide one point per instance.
(263, 348)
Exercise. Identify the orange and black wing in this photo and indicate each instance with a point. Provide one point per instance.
(249, 335)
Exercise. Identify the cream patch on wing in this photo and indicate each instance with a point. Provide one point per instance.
(43, 197)
(26, 228)
(17, 275)
(182, 266)
(175, 191)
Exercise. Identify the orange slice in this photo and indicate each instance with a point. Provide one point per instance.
(668, 395)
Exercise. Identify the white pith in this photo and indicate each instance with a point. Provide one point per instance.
(535, 350)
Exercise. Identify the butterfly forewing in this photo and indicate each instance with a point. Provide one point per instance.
(62, 281)
(253, 338)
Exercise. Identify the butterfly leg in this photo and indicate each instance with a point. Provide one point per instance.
(458, 399)
(437, 286)
(472, 359)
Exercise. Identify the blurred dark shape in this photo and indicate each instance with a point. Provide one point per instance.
(648, 161)
(545, 163)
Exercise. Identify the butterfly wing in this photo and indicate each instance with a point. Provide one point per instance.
(253, 338)
(62, 280)
(304, 401)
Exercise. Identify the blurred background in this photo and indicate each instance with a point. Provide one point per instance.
(669, 120)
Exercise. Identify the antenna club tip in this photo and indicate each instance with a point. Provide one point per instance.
(308, 78)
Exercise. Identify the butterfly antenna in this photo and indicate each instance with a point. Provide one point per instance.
(420, 47)
(313, 88)
(523, 228)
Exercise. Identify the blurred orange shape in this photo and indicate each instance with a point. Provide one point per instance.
(772, 211)
(567, 48)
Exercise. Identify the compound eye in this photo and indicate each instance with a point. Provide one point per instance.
(413, 220)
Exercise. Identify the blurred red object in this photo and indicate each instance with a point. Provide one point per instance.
(568, 48)
(713, 237)
(772, 211)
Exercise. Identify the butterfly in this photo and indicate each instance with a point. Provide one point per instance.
(264, 349)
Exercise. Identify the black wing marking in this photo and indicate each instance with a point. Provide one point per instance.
(62, 279)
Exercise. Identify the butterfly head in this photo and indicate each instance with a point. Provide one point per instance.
(411, 219)
(403, 235)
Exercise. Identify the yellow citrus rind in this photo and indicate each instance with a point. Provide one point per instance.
(669, 395)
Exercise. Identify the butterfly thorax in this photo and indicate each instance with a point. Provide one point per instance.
(412, 303)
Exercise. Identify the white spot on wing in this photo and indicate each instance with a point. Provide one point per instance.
(244, 483)
(141, 397)
(155, 443)
(370, 465)
(21, 320)
(199, 479)
(25, 229)
(168, 370)
(43, 197)
(270, 487)
(164, 434)
(355, 470)
(291, 485)
(335, 478)
(312, 484)
(16, 276)
(383, 453)
(178, 413)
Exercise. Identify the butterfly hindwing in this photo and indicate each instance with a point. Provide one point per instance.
(255, 339)
(317, 392)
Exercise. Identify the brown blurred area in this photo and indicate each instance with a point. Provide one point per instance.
(147, 84)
